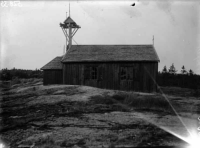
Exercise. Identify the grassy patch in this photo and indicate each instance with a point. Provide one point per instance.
(42, 142)
(25, 81)
(150, 102)
(137, 101)
(183, 92)
(50, 142)
(106, 104)
(124, 101)
(107, 100)
(46, 142)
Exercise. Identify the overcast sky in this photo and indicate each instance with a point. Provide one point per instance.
(31, 36)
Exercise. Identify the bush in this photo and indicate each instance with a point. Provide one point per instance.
(119, 96)
(9, 74)
(16, 81)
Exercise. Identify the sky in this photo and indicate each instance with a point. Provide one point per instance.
(30, 34)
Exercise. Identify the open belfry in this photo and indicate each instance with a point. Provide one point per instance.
(69, 28)
(118, 67)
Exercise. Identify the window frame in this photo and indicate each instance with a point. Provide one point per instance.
(127, 73)
(91, 72)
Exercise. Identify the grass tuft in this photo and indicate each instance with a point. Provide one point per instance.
(107, 103)
(103, 100)
(149, 102)
(124, 101)
(47, 142)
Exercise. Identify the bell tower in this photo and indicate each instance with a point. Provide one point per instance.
(69, 28)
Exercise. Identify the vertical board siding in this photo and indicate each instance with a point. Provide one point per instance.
(146, 75)
(156, 76)
(53, 77)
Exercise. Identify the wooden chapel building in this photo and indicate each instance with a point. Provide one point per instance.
(119, 67)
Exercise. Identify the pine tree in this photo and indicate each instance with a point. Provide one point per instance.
(184, 71)
(164, 69)
(172, 69)
(191, 72)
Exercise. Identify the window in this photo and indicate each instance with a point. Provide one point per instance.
(94, 73)
(127, 73)
(123, 73)
(90, 72)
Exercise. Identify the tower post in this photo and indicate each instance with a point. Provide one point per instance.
(70, 36)
(69, 28)
(66, 36)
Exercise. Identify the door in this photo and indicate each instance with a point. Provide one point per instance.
(90, 75)
(126, 78)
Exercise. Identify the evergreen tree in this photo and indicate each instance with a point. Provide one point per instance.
(191, 72)
(184, 71)
(164, 69)
(172, 69)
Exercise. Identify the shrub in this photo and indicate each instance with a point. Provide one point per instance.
(16, 81)
(119, 96)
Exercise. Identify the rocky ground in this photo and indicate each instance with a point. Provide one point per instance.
(61, 116)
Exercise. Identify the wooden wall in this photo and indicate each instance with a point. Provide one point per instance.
(53, 77)
(109, 75)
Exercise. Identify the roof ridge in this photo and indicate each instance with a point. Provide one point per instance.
(102, 53)
(114, 45)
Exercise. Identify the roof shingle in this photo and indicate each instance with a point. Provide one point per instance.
(53, 64)
(106, 53)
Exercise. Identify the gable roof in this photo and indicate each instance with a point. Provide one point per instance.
(69, 20)
(53, 64)
(106, 53)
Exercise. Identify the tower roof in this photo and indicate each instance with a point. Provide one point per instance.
(70, 21)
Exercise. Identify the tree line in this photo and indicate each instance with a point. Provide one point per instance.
(9, 74)
(184, 79)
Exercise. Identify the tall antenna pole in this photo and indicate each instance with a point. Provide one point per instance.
(70, 35)
(70, 30)
(69, 8)
(66, 35)
(153, 39)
